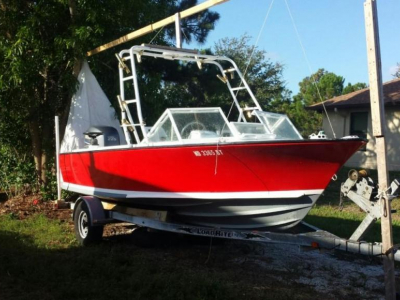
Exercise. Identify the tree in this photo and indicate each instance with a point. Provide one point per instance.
(42, 45)
(320, 86)
(306, 121)
(263, 76)
(354, 87)
(196, 26)
(397, 74)
(187, 85)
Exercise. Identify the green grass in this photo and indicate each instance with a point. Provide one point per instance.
(39, 259)
(37, 231)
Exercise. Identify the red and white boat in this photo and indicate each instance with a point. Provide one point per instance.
(197, 165)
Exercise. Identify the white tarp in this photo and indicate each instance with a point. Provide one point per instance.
(89, 107)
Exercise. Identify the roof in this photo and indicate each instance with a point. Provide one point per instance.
(361, 98)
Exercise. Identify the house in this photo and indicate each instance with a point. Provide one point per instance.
(350, 114)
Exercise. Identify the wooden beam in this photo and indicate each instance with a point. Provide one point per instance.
(150, 28)
(378, 131)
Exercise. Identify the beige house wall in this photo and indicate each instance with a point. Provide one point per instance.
(340, 120)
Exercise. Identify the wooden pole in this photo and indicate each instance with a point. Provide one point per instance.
(150, 28)
(378, 130)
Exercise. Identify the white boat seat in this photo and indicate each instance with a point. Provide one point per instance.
(202, 134)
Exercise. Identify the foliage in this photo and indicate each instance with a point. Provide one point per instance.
(397, 74)
(320, 86)
(17, 172)
(188, 85)
(194, 27)
(49, 190)
(42, 44)
(263, 76)
(354, 87)
(307, 122)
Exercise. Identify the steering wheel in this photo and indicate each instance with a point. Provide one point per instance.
(191, 126)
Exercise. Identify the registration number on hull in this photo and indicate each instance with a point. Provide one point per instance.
(208, 152)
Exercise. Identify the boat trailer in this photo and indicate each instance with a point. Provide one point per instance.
(91, 214)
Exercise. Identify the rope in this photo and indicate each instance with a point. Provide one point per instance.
(257, 40)
(156, 34)
(309, 67)
(244, 74)
(185, 35)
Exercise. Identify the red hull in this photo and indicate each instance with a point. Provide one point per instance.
(243, 185)
(230, 168)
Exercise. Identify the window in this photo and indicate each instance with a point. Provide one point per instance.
(359, 125)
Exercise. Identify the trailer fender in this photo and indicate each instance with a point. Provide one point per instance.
(97, 214)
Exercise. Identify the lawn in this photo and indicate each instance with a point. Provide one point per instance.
(40, 259)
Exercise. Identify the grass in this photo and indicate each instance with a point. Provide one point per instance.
(37, 231)
(40, 259)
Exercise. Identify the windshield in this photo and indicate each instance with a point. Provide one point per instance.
(164, 132)
(279, 125)
(190, 124)
(200, 123)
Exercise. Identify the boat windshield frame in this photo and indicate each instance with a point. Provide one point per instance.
(282, 128)
(188, 125)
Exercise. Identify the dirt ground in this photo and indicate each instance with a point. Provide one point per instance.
(24, 206)
(344, 276)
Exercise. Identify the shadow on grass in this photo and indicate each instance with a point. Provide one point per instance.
(103, 271)
(116, 268)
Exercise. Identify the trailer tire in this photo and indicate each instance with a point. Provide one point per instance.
(86, 233)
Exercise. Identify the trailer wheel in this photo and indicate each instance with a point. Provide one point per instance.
(85, 232)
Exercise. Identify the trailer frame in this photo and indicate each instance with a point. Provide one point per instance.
(101, 212)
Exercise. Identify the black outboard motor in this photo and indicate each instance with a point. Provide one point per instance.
(102, 136)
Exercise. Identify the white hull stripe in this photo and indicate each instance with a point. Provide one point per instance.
(87, 190)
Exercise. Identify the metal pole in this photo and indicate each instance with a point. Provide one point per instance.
(178, 30)
(378, 129)
(58, 158)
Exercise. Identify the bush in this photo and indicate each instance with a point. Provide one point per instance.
(17, 172)
(49, 190)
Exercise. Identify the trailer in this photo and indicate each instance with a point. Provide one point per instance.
(90, 214)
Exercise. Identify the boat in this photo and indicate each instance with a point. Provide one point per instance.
(255, 172)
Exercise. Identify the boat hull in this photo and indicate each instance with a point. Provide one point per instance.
(236, 185)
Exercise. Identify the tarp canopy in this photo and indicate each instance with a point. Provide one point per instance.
(89, 107)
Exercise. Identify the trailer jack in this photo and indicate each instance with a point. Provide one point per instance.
(360, 189)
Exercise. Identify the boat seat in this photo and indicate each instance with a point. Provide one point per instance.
(202, 134)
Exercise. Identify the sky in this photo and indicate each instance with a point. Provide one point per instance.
(332, 33)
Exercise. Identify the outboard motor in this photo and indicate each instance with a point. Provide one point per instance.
(101, 136)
